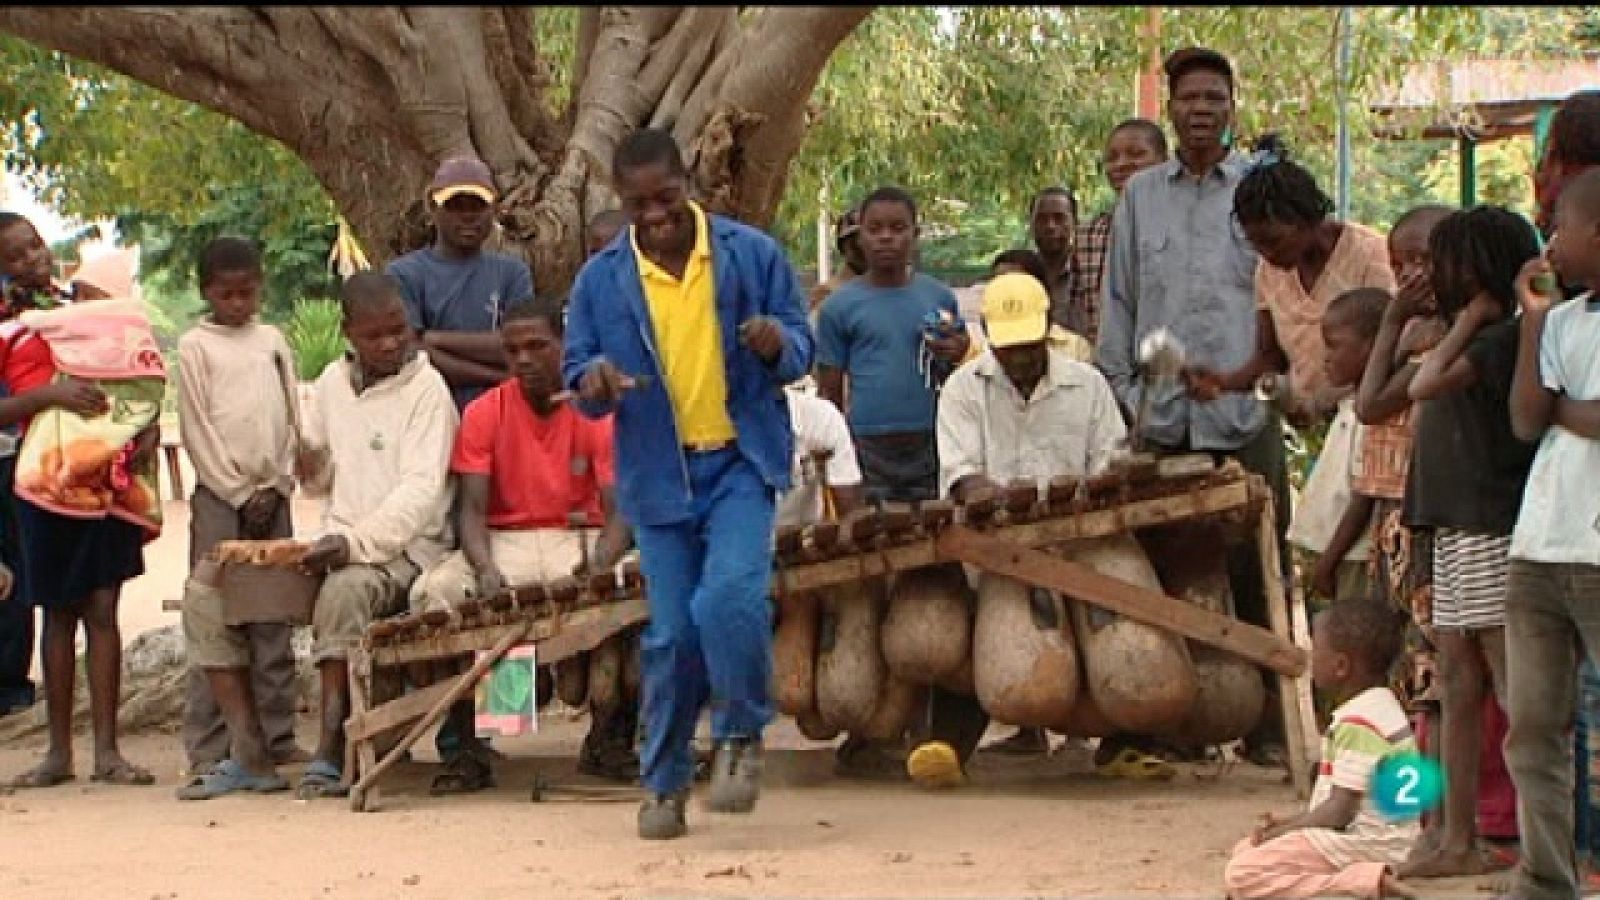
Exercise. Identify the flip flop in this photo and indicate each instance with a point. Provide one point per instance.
(321, 779)
(935, 765)
(227, 777)
(39, 778)
(1135, 765)
(125, 773)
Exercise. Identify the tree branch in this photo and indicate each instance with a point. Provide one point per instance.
(749, 121)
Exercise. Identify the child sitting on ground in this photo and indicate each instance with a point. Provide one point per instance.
(1340, 845)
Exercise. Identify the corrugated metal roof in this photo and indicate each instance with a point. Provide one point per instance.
(1489, 81)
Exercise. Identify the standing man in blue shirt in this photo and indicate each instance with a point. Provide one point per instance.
(455, 293)
(688, 330)
(1180, 260)
(454, 290)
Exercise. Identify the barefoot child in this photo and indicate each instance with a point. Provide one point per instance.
(1555, 550)
(1468, 471)
(78, 552)
(237, 415)
(1340, 845)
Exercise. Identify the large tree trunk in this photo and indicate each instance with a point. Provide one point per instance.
(372, 99)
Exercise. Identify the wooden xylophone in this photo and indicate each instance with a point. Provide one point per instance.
(569, 616)
(1133, 493)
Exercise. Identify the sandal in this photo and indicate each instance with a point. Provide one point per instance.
(125, 773)
(228, 777)
(466, 774)
(1136, 765)
(321, 779)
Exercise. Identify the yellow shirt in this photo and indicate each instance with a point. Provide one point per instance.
(684, 314)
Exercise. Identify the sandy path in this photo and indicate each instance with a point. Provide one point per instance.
(1025, 828)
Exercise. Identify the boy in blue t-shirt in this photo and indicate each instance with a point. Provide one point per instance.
(454, 290)
(893, 335)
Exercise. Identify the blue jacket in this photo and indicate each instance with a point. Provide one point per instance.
(607, 317)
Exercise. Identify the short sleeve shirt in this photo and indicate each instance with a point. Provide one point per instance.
(874, 335)
(1360, 259)
(818, 426)
(1361, 733)
(1468, 468)
(460, 295)
(1560, 517)
(539, 469)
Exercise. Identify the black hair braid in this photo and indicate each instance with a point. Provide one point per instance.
(1480, 249)
(1277, 189)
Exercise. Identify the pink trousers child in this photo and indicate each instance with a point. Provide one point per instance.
(1291, 867)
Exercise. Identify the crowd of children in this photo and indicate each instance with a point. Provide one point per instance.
(1453, 530)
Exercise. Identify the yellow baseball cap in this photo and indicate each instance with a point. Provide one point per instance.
(1016, 310)
(462, 175)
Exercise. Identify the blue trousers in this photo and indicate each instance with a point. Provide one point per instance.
(710, 631)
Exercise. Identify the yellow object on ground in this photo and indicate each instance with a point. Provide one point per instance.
(935, 765)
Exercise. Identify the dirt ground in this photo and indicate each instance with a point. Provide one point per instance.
(1024, 828)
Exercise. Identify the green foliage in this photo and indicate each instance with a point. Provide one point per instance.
(313, 333)
(94, 144)
(295, 241)
(987, 104)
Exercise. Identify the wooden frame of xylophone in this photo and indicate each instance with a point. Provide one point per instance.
(565, 617)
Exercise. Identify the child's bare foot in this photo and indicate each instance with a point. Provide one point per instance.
(1447, 864)
(111, 768)
(1428, 844)
(53, 771)
(1392, 886)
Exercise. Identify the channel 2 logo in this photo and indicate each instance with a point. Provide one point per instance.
(1406, 785)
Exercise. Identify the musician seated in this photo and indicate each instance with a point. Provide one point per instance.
(1023, 409)
(376, 443)
(526, 461)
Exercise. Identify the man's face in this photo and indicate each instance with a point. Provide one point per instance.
(656, 200)
(887, 235)
(464, 222)
(381, 338)
(1024, 364)
(533, 353)
(25, 256)
(1201, 109)
(1053, 226)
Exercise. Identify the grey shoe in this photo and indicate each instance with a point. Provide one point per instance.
(661, 817)
(736, 776)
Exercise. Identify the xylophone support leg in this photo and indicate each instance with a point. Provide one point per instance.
(1294, 691)
(459, 688)
(360, 755)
